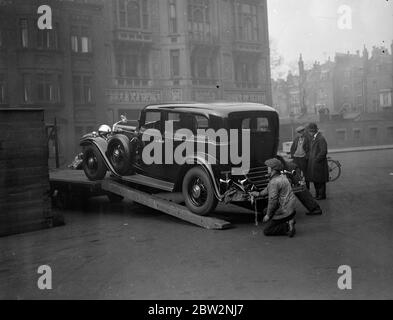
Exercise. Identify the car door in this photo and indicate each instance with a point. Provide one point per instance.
(151, 130)
(173, 138)
(263, 128)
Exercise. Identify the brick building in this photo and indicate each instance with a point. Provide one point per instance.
(171, 50)
(106, 58)
(362, 129)
(61, 70)
(353, 83)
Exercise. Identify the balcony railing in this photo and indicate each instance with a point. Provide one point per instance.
(125, 82)
(203, 37)
(133, 36)
(247, 85)
(204, 82)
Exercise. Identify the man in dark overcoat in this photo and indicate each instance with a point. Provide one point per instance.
(317, 169)
(300, 151)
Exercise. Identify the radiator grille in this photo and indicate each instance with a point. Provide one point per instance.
(259, 177)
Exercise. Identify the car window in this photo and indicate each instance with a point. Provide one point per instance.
(172, 116)
(262, 124)
(256, 123)
(175, 119)
(202, 122)
(152, 120)
(246, 123)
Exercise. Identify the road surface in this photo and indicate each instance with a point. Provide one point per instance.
(126, 251)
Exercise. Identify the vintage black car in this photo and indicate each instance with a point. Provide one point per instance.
(204, 178)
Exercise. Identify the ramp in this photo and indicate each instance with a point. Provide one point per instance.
(163, 205)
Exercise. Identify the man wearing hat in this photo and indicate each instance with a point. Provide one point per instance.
(280, 212)
(300, 151)
(317, 169)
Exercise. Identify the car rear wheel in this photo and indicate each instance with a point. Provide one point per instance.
(93, 164)
(120, 154)
(198, 192)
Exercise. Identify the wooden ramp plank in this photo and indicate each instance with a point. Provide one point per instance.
(176, 197)
(165, 206)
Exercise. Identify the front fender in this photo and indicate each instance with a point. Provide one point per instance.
(102, 146)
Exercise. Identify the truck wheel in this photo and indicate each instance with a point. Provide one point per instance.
(198, 192)
(120, 154)
(93, 164)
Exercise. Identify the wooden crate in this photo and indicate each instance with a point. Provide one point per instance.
(24, 176)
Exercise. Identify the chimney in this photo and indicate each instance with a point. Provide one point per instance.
(301, 66)
(365, 52)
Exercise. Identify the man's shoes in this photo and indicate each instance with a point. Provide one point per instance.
(292, 230)
(320, 198)
(316, 212)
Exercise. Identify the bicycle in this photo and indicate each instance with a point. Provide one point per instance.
(334, 169)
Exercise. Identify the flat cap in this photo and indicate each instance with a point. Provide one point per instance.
(312, 127)
(300, 129)
(275, 164)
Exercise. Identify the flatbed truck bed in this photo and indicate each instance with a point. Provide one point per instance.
(67, 185)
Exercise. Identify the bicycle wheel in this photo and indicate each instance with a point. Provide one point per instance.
(334, 170)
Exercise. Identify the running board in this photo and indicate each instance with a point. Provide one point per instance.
(166, 206)
(140, 179)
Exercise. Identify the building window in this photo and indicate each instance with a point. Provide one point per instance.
(2, 89)
(87, 90)
(172, 16)
(356, 134)
(204, 69)
(199, 19)
(389, 133)
(375, 104)
(248, 22)
(74, 39)
(44, 41)
(133, 14)
(49, 88)
(26, 88)
(373, 133)
(341, 135)
(77, 89)
(346, 91)
(81, 40)
(24, 33)
(347, 74)
(48, 39)
(45, 88)
(82, 89)
(134, 65)
(85, 41)
(56, 35)
(145, 15)
(175, 63)
(385, 99)
(1, 38)
(246, 73)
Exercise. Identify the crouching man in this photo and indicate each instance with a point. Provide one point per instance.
(280, 212)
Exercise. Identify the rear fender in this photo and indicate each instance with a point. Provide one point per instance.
(102, 146)
(205, 160)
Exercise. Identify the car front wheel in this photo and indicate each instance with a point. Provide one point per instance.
(198, 192)
(93, 164)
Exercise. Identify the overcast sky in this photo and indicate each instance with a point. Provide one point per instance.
(311, 27)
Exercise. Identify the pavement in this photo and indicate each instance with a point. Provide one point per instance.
(126, 251)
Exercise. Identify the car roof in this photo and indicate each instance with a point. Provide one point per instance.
(222, 109)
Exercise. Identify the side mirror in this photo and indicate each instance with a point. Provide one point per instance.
(123, 118)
